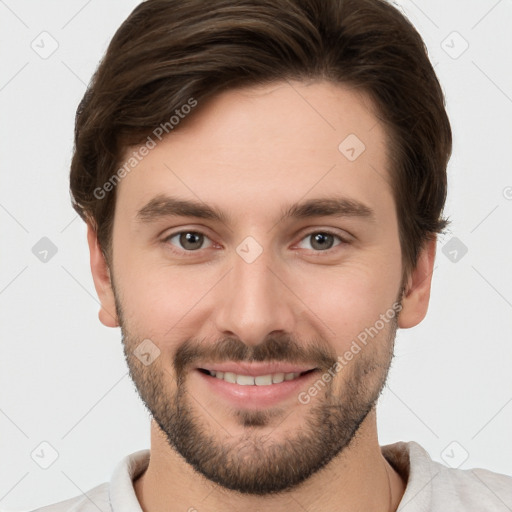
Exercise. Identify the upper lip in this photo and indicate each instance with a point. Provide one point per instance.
(256, 369)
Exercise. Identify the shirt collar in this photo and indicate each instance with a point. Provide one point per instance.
(121, 492)
(409, 459)
(414, 465)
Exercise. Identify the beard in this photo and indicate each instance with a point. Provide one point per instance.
(256, 463)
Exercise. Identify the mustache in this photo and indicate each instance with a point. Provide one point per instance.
(280, 347)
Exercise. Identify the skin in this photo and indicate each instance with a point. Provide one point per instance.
(252, 152)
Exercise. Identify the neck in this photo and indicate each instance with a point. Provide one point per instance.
(360, 478)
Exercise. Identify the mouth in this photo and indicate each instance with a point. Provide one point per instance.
(243, 379)
(254, 385)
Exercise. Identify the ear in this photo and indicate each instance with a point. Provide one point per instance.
(101, 277)
(417, 291)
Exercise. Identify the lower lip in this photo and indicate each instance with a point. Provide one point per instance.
(254, 397)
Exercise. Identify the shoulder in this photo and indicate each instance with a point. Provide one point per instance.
(96, 500)
(117, 495)
(472, 489)
(432, 486)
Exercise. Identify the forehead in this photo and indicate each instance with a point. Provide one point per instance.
(273, 143)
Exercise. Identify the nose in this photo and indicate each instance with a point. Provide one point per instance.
(254, 301)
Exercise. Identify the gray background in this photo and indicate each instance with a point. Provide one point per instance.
(63, 378)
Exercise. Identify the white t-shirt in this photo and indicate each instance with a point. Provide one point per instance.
(431, 486)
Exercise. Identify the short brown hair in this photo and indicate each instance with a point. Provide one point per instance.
(168, 51)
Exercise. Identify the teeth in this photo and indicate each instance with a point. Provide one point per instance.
(247, 380)
(230, 377)
(244, 380)
(276, 378)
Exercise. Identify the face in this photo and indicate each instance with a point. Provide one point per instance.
(260, 239)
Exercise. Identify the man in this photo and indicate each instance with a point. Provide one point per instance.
(263, 183)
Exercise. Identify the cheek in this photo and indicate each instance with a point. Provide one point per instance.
(350, 301)
(155, 304)
(162, 302)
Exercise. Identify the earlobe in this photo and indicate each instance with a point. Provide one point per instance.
(101, 278)
(417, 290)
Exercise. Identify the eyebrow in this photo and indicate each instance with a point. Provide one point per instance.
(163, 206)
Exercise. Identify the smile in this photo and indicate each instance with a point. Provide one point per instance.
(249, 380)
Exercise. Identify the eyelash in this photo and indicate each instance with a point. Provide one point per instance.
(182, 252)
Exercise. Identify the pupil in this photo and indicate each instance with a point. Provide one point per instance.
(321, 238)
(188, 239)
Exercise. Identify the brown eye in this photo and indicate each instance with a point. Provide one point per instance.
(322, 241)
(187, 240)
